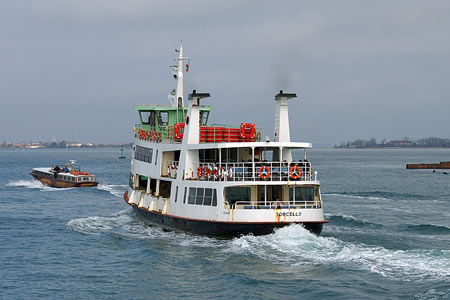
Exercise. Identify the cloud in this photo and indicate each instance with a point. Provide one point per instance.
(343, 58)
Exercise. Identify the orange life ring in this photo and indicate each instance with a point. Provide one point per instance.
(267, 172)
(205, 171)
(248, 131)
(158, 137)
(310, 172)
(199, 172)
(154, 135)
(297, 174)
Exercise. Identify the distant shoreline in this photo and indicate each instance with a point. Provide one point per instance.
(36, 147)
(389, 148)
(405, 143)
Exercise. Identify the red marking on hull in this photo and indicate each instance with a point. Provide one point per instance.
(125, 197)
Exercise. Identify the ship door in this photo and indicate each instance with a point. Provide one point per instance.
(268, 194)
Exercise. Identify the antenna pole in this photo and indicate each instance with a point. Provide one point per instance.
(179, 100)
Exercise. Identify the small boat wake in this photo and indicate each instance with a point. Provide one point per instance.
(115, 189)
(34, 184)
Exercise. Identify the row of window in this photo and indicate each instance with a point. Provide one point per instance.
(201, 196)
(270, 193)
(69, 178)
(143, 154)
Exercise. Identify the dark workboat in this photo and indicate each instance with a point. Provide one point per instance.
(64, 176)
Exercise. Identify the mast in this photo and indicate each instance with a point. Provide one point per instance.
(176, 96)
(179, 92)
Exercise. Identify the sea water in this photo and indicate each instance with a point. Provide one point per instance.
(388, 236)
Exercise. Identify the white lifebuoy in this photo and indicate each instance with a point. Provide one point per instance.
(229, 173)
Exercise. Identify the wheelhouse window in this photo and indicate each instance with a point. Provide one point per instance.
(148, 118)
(163, 118)
(204, 118)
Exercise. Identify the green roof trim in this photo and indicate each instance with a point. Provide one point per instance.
(149, 107)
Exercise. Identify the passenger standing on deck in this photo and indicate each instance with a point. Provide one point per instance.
(277, 204)
(56, 171)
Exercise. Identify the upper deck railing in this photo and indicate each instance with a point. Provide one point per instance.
(247, 171)
(313, 204)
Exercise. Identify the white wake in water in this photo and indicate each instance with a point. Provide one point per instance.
(96, 225)
(292, 246)
(34, 184)
(125, 224)
(114, 189)
(295, 246)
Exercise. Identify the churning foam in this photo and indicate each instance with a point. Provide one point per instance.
(291, 246)
(295, 246)
(125, 224)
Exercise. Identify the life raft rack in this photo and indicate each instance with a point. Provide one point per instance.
(215, 134)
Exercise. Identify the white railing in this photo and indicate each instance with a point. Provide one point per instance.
(274, 205)
(172, 168)
(258, 171)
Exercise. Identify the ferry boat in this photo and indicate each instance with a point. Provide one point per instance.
(219, 181)
(64, 176)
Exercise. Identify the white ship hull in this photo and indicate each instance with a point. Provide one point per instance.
(219, 181)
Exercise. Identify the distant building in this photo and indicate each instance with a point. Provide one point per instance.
(401, 143)
(34, 145)
(74, 145)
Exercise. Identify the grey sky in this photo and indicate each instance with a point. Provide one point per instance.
(74, 69)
